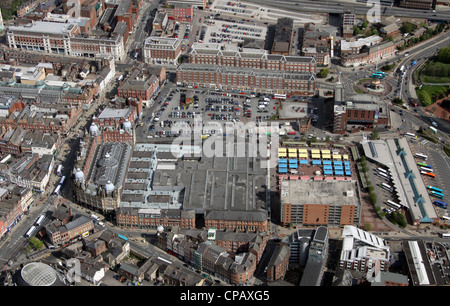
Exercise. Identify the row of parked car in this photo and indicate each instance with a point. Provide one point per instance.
(123, 279)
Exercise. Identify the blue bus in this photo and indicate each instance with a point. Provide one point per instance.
(437, 194)
(122, 237)
(435, 189)
(378, 75)
(440, 204)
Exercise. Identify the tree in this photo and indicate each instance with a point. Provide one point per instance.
(365, 24)
(373, 198)
(444, 55)
(367, 227)
(374, 134)
(36, 243)
(323, 73)
(397, 101)
(407, 27)
(356, 31)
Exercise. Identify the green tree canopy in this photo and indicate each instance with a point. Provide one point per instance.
(407, 27)
(444, 55)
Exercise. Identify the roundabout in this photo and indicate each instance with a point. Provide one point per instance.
(373, 86)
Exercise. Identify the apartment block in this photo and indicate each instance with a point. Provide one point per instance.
(363, 251)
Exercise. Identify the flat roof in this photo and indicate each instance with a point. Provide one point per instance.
(211, 183)
(409, 194)
(44, 27)
(331, 192)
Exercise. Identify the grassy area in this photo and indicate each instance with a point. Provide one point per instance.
(432, 79)
(428, 134)
(364, 80)
(428, 93)
(447, 150)
(9, 8)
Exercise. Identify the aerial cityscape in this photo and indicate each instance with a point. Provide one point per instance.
(224, 144)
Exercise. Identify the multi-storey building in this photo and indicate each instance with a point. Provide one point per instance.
(258, 80)
(316, 43)
(282, 42)
(194, 3)
(14, 201)
(201, 251)
(183, 12)
(357, 110)
(317, 258)
(63, 38)
(363, 251)
(99, 173)
(278, 263)
(162, 50)
(139, 86)
(418, 4)
(27, 7)
(150, 218)
(30, 171)
(216, 54)
(365, 50)
(61, 234)
(11, 141)
(315, 203)
(237, 220)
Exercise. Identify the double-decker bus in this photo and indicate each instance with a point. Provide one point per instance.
(435, 189)
(420, 155)
(437, 194)
(393, 204)
(433, 129)
(440, 204)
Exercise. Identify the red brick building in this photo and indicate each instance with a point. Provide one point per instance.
(183, 12)
(139, 85)
(152, 218)
(240, 221)
(162, 50)
(11, 141)
(258, 80)
(214, 54)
